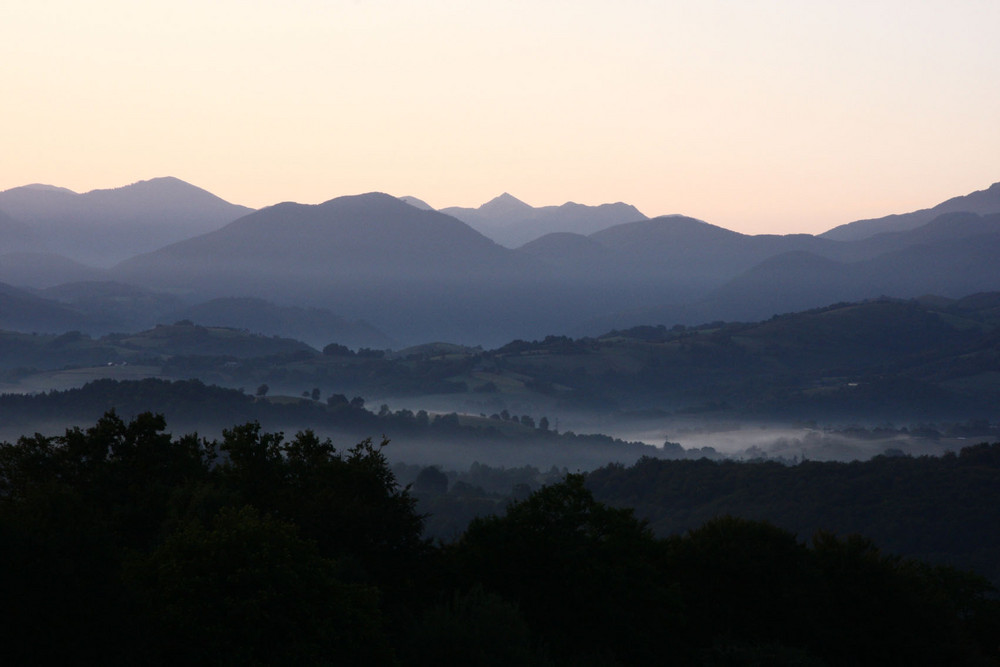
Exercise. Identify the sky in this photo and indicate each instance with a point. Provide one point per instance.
(762, 117)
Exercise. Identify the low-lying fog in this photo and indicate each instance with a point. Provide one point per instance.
(785, 442)
(699, 435)
(672, 436)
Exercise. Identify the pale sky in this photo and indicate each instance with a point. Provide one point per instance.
(781, 116)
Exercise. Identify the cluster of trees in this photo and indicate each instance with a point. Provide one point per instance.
(122, 544)
(943, 509)
(194, 405)
(524, 420)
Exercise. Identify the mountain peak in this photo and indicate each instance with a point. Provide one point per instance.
(157, 184)
(505, 204)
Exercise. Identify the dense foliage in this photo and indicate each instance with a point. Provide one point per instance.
(941, 509)
(120, 544)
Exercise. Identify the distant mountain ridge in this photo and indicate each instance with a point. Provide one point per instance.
(102, 227)
(421, 275)
(415, 274)
(983, 202)
(952, 256)
(512, 223)
(418, 275)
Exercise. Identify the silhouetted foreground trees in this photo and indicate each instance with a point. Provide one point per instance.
(120, 544)
(941, 509)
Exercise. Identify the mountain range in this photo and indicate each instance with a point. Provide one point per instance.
(512, 223)
(408, 274)
(981, 201)
(102, 227)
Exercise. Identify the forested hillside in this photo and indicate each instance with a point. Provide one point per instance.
(884, 360)
(123, 544)
(442, 438)
(941, 509)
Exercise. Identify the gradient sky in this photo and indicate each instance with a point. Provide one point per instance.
(757, 116)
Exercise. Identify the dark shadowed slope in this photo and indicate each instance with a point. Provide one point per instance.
(112, 306)
(982, 202)
(22, 311)
(105, 226)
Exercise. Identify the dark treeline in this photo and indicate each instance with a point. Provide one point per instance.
(121, 544)
(941, 509)
(196, 406)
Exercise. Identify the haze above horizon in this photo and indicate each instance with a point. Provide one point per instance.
(759, 117)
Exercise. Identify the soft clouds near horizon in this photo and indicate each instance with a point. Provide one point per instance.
(772, 116)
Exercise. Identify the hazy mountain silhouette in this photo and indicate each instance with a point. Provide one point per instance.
(982, 202)
(40, 270)
(670, 259)
(512, 223)
(418, 275)
(102, 227)
(759, 276)
(573, 252)
(952, 256)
